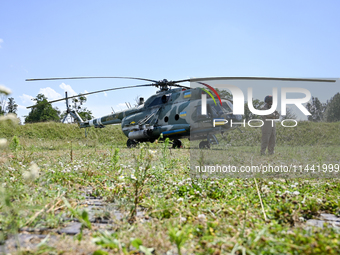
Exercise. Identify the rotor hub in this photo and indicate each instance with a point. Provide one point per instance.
(164, 84)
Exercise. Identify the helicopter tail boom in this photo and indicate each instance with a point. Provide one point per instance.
(114, 118)
(101, 122)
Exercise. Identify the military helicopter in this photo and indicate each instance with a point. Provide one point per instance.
(174, 112)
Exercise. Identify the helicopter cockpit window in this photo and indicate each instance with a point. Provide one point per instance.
(227, 106)
(217, 110)
(160, 100)
(198, 113)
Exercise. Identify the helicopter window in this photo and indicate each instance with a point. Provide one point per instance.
(227, 106)
(198, 112)
(166, 119)
(160, 100)
(176, 117)
(165, 98)
(216, 110)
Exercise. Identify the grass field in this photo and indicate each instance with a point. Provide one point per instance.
(47, 170)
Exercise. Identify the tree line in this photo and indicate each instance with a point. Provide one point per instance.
(328, 112)
(43, 110)
(8, 106)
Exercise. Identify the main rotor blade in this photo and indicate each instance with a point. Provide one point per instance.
(252, 78)
(179, 86)
(186, 80)
(94, 92)
(90, 77)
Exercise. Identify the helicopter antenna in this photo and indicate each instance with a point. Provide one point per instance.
(113, 110)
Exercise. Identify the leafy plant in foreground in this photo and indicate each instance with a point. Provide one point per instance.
(15, 143)
(109, 241)
(137, 243)
(139, 177)
(115, 158)
(179, 236)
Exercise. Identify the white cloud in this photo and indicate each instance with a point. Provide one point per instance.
(26, 99)
(120, 107)
(21, 107)
(68, 88)
(50, 93)
(1, 41)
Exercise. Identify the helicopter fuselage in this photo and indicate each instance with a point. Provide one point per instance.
(174, 113)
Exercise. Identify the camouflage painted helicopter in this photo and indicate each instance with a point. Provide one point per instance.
(171, 112)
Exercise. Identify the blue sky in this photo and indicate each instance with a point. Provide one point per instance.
(158, 40)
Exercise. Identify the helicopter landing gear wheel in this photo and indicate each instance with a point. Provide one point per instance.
(177, 144)
(131, 143)
(204, 145)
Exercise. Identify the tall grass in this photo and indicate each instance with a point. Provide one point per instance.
(42, 189)
(305, 133)
(52, 131)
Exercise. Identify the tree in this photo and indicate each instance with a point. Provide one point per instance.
(12, 107)
(224, 94)
(82, 111)
(43, 111)
(290, 115)
(332, 112)
(77, 103)
(85, 114)
(248, 115)
(317, 109)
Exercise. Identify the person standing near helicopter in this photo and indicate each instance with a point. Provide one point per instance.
(268, 128)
